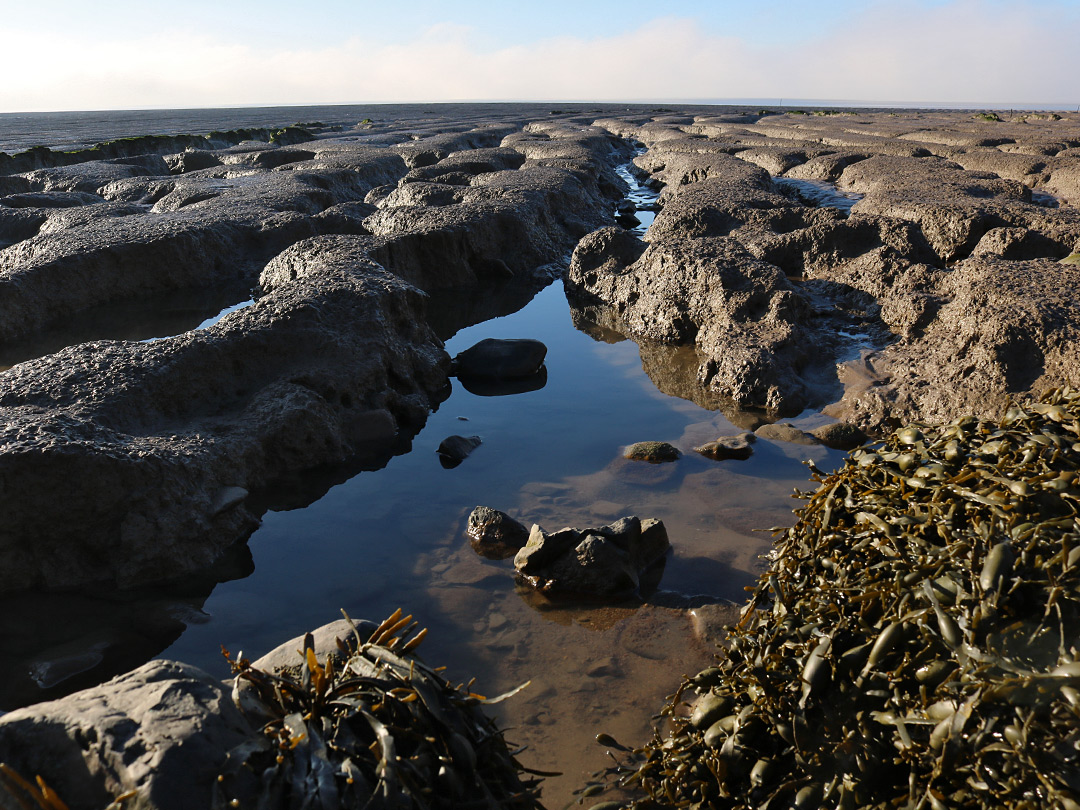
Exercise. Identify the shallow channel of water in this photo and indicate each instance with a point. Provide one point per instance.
(394, 537)
(820, 193)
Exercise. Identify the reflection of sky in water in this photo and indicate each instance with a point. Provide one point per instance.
(820, 193)
(641, 196)
(141, 319)
(393, 538)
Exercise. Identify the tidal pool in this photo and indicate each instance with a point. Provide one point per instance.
(394, 537)
(820, 193)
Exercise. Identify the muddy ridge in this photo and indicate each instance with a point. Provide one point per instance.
(929, 271)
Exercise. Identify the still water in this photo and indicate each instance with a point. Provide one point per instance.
(394, 537)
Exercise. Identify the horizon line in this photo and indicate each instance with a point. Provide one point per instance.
(1046, 106)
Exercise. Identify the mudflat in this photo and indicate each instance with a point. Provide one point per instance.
(885, 267)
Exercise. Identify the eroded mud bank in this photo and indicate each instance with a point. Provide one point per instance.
(947, 272)
(158, 445)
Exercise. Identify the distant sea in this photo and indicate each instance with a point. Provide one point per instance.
(75, 130)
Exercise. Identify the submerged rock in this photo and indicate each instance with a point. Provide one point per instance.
(786, 433)
(653, 452)
(733, 447)
(607, 562)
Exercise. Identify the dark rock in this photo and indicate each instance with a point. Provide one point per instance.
(345, 217)
(653, 452)
(455, 449)
(607, 562)
(500, 359)
(494, 534)
(728, 447)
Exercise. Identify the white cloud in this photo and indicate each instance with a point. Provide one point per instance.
(963, 50)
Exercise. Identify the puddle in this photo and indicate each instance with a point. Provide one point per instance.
(1044, 199)
(209, 321)
(141, 319)
(819, 193)
(642, 198)
(394, 537)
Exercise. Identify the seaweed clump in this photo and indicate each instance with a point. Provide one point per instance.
(913, 644)
(372, 727)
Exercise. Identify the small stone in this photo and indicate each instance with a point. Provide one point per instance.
(728, 447)
(785, 433)
(839, 436)
(494, 534)
(455, 449)
(603, 669)
(652, 452)
(496, 621)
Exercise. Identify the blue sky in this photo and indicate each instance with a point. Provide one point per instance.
(202, 53)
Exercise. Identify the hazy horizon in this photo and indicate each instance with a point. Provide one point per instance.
(997, 54)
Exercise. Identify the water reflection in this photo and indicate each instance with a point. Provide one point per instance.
(52, 644)
(820, 193)
(137, 319)
(372, 541)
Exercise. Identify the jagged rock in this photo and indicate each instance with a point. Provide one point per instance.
(500, 359)
(494, 534)
(653, 452)
(607, 562)
(1003, 328)
(733, 447)
(955, 208)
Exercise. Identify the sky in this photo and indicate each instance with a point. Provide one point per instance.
(148, 54)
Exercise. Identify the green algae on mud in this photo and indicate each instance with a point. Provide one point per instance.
(914, 640)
